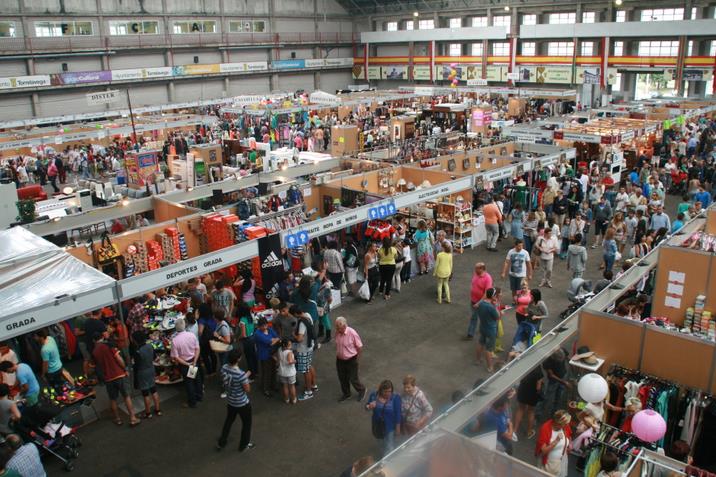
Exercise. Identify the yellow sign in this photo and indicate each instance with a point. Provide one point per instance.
(201, 69)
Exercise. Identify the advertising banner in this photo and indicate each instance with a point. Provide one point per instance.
(473, 72)
(394, 72)
(271, 264)
(358, 72)
(587, 75)
(442, 72)
(496, 73)
(25, 82)
(80, 77)
(256, 66)
(208, 69)
(288, 64)
(125, 75)
(232, 67)
(546, 74)
(374, 72)
(315, 63)
(421, 73)
(338, 62)
(159, 72)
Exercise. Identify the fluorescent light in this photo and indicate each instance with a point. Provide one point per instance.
(416, 14)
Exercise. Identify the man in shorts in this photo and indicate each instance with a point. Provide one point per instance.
(519, 266)
(112, 370)
(488, 317)
(304, 343)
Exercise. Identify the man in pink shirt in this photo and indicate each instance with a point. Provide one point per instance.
(493, 218)
(481, 281)
(185, 352)
(348, 349)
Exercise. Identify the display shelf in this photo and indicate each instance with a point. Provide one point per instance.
(456, 217)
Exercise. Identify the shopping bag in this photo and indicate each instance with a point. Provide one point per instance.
(107, 251)
(364, 291)
(191, 372)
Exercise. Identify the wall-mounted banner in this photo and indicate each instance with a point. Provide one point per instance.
(496, 73)
(80, 77)
(421, 73)
(690, 74)
(443, 72)
(394, 72)
(477, 82)
(374, 72)
(209, 69)
(25, 82)
(256, 66)
(587, 75)
(288, 64)
(127, 75)
(473, 72)
(337, 62)
(546, 74)
(319, 63)
(358, 72)
(103, 97)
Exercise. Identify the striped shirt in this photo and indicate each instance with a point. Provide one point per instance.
(234, 380)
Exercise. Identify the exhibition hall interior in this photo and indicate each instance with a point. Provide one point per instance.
(393, 238)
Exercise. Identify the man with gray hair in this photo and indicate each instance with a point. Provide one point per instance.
(348, 351)
(25, 458)
(185, 352)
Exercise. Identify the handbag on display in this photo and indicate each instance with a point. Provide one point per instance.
(107, 251)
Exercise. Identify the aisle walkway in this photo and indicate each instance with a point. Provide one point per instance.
(409, 334)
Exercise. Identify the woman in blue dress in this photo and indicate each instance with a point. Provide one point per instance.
(516, 222)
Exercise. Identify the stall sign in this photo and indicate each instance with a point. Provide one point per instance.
(297, 239)
(423, 91)
(103, 97)
(27, 321)
(329, 224)
(288, 64)
(25, 82)
(627, 136)
(477, 82)
(498, 174)
(310, 63)
(382, 211)
(570, 136)
(434, 192)
(528, 135)
(186, 269)
(256, 65)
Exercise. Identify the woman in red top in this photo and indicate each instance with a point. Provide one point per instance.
(552, 444)
(522, 300)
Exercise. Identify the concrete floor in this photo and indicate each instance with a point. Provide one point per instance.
(410, 334)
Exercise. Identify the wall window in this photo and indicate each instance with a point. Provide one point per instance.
(662, 14)
(618, 48)
(617, 86)
(426, 24)
(247, 26)
(529, 19)
(563, 18)
(712, 50)
(501, 20)
(455, 49)
(479, 21)
(456, 23)
(501, 49)
(68, 28)
(129, 27)
(198, 26)
(476, 49)
(621, 16)
(560, 48)
(409, 25)
(694, 12)
(7, 30)
(529, 48)
(658, 48)
(587, 48)
(589, 17)
(391, 26)
(690, 49)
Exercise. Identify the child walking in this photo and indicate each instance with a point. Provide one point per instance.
(287, 372)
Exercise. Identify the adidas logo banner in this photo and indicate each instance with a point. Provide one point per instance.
(271, 263)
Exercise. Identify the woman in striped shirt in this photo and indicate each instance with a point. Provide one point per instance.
(236, 384)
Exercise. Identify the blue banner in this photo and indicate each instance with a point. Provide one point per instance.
(288, 64)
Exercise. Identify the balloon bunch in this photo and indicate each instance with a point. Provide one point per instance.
(453, 75)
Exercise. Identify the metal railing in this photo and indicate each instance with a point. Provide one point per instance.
(167, 40)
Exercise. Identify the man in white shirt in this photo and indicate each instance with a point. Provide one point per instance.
(584, 180)
(547, 246)
(621, 200)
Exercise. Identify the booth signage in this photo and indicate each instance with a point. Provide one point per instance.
(477, 82)
(103, 97)
(434, 192)
(31, 320)
(324, 226)
(382, 211)
(499, 174)
(271, 264)
(25, 82)
(288, 64)
(591, 138)
(187, 269)
(310, 63)
(513, 76)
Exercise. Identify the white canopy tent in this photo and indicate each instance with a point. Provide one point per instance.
(41, 284)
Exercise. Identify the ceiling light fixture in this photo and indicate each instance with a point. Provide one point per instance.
(618, 2)
(507, 8)
(416, 14)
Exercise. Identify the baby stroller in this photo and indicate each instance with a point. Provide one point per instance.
(43, 426)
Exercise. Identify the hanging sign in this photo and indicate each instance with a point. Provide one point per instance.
(103, 97)
(382, 211)
(186, 269)
(271, 264)
(431, 193)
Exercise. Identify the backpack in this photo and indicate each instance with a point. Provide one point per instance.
(243, 209)
(310, 339)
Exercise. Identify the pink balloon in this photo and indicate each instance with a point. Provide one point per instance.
(453, 65)
(648, 425)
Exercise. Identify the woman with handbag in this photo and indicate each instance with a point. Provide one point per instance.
(370, 270)
(387, 414)
(416, 408)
